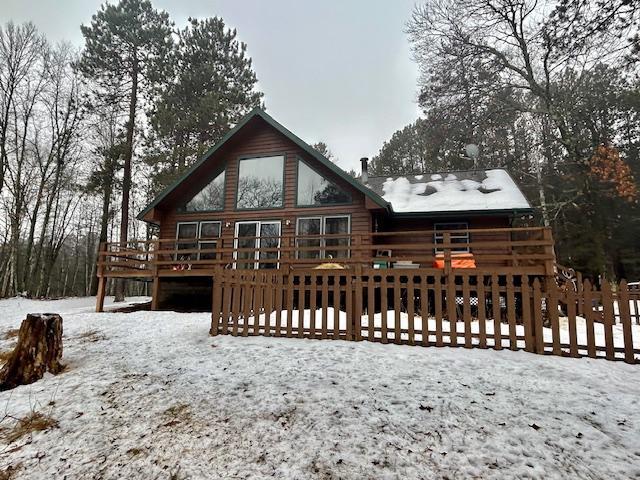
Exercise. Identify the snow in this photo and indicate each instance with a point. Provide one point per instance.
(154, 396)
(496, 192)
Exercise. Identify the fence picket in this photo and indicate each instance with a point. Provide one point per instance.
(553, 303)
(625, 318)
(216, 303)
(348, 305)
(302, 293)
(527, 308)
(397, 303)
(495, 310)
(268, 302)
(371, 307)
(438, 300)
(588, 314)
(336, 307)
(289, 304)
(571, 319)
(325, 304)
(235, 306)
(607, 306)
(226, 305)
(452, 312)
(538, 329)
(257, 304)
(482, 312)
(424, 309)
(410, 310)
(511, 313)
(246, 304)
(466, 310)
(357, 313)
(383, 307)
(313, 292)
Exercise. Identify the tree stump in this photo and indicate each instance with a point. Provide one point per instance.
(39, 350)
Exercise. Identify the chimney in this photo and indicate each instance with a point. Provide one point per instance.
(364, 165)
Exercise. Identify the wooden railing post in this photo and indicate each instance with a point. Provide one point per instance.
(155, 293)
(102, 281)
(547, 236)
(216, 300)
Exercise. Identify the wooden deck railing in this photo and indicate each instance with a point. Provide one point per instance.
(430, 308)
(509, 248)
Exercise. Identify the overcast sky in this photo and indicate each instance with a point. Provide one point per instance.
(332, 70)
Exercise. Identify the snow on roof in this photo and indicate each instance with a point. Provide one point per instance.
(450, 192)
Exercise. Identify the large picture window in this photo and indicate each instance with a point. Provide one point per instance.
(314, 189)
(210, 198)
(320, 246)
(461, 237)
(260, 183)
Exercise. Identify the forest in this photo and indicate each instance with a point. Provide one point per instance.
(88, 137)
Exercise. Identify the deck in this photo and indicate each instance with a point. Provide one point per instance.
(498, 250)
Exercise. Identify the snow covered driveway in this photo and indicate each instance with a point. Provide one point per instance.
(151, 395)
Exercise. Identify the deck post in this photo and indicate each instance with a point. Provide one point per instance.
(102, 281)
(216, 299)
(155, 292)
(102, 284)
(549, 264)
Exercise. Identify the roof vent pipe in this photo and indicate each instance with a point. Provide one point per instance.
(364, 164)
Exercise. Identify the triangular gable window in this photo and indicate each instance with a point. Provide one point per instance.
(210, 198)
(314, 189)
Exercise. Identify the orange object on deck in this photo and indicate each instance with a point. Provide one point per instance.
(458, 260)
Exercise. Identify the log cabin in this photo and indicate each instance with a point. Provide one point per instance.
(263, 199)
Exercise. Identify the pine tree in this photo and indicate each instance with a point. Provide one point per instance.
(127, 48)
(214, 87)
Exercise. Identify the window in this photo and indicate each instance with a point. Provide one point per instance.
(314, 189)
(197, 236)
(210, 198)
(260, 183)
(456, 237)
(208, 239)
(320, 226)
(186, 239)
(254, 236)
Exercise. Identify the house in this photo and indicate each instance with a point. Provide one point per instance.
(264, 199)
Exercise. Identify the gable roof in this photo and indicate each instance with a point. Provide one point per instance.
(473, 191)
(258, 112)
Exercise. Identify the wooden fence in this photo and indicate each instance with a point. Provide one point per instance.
(468, 308)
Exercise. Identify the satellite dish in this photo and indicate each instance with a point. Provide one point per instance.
(473, 152)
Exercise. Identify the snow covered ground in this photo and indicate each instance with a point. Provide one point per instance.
(151, 395)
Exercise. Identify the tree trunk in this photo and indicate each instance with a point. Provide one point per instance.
(39, 350)
(126, 178)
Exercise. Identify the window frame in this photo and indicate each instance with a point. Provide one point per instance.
(251, 157)
(298, 205)
(323, 246)
(179, 240)
(439, 238)
(213, 240)
(183, 208)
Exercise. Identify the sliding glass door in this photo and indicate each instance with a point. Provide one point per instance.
(256, 235)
